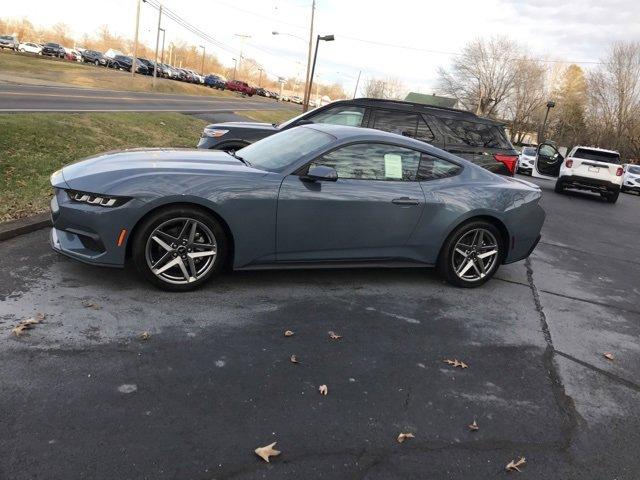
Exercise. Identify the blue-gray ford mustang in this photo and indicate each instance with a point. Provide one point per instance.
(315, 195)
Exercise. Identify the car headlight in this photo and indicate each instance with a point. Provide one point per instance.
(96, 199)
(214, 132)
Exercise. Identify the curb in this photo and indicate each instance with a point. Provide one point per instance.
(21, 226)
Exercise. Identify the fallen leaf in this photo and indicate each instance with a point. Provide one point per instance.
(144, 335)
(95, 306)
(456, 363)
(266, 452)
(608, 356)
(323, 390)
(403, 436)
(334, 336)
(513, 464)
(288, 333)
(294, 359)
(473, 426)
(27, 324)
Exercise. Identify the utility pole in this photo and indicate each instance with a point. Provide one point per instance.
(307, 86)
(260, 78)
(235, 68)
(203, 51)
(357, 83)
(135, 42)
(155, 70)
(242, 37)
(162, 51)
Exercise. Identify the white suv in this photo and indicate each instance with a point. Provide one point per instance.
(584, 168)
(631, 178)
(526, 159)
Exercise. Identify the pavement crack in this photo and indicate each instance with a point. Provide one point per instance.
(565, 402)
(612, 376)
(592, 302)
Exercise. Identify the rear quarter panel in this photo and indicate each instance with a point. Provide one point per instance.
(453, 201)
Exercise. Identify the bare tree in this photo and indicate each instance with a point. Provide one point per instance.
(526, 100)
(614, 99)
(390, 87)
(482, 77)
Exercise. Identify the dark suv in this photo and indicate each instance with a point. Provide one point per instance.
(53, 50)
(480, 140)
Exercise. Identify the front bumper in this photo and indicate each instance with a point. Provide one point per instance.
(88, 233)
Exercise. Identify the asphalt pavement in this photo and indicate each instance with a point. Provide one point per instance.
(83, 396)
(48, 98)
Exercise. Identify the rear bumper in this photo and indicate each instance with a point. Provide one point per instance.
(586, 183)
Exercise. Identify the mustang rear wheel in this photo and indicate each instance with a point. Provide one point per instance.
(179, 248)
(471, 255)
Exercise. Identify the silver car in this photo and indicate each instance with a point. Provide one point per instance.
(310, 196)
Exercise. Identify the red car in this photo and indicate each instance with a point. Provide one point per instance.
(242, 87)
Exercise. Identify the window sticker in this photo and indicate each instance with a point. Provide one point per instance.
(393, 166)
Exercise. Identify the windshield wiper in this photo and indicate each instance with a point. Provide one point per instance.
(234, 155)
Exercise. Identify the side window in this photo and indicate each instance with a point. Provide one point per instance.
(475, 134)
(373, 161)
(348, 115)
(394, 121)
(432, 168)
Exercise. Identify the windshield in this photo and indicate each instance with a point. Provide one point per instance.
(277, 152)
(529, 151)
(597, 155)
(6, 37)
(634, 170)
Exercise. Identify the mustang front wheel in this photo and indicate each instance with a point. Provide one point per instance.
(471, 254)
(179, 248)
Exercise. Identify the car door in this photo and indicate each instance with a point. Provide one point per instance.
(369, 212)
(547, 162)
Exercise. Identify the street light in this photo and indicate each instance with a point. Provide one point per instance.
(550, 105)
(326, 38)
(235, 66)
(289, 35)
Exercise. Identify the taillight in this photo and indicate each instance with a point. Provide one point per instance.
(569, 163)
(510, 161)
(619, 172)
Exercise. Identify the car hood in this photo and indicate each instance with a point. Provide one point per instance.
(100, 173)
(244, 126)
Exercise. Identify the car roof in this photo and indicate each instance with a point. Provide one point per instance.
(418, 107)
(343, 132)
(596, 149)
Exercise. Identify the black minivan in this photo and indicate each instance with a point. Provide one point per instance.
(480, 140)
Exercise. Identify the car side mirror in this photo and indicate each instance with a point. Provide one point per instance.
(321, 173)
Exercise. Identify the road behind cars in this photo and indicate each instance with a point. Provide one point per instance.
(33, 98)
(83, 396)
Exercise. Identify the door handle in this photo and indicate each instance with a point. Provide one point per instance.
(405, 201)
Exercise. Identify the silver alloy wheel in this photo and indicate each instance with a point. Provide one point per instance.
(181, 250)
(475, 254)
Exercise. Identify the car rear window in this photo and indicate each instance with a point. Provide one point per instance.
(597, 155)
(475, 134)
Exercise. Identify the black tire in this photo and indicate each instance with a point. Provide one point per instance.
(445, 265)
(559, 188)
(163, 216)
(612, 196)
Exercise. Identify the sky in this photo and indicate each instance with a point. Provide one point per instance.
(408, 39)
